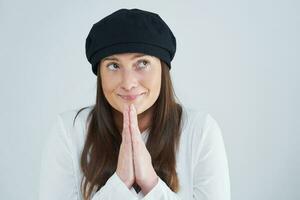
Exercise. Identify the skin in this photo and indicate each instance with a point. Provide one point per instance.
(128, 74)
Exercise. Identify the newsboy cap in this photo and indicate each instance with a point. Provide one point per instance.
(130, 30)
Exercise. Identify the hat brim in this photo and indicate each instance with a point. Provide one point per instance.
(145, 48)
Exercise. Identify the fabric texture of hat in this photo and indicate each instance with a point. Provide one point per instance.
(130, 30)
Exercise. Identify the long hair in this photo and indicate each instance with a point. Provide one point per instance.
(99, 157)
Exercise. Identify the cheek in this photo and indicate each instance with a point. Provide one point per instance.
(108, 84)
(157, 85)
(153, 82)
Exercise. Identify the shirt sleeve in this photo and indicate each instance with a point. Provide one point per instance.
(210, 168)
(161, 191)
(113, 189)
(58, 180)
(211, 175)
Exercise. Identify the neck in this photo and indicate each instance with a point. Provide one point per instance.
(144, 119)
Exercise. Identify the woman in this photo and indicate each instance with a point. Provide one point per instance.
(136, 142)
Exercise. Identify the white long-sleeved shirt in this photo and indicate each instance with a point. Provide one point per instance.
(202, 165)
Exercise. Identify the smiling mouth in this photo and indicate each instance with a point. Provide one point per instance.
(131, 97)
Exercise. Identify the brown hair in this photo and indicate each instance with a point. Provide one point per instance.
(99, 157)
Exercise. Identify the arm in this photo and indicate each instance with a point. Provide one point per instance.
(58, 178)
(161, 191)
(211, 177)
(211, 174)
(114, 189)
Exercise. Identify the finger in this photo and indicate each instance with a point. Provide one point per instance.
(125, 111)
(126, 131)
(133, 117)
(135, 132)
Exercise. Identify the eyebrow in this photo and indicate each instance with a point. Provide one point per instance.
(116, 59)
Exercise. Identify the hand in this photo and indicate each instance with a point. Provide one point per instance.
(125, 169)
(145, 175)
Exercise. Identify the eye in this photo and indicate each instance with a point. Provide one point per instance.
(143, 63)
(112, 66)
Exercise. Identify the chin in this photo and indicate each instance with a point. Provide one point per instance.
(138, 110)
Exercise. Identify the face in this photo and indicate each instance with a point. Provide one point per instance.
(131, 78)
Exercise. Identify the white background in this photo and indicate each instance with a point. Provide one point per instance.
(238, 60)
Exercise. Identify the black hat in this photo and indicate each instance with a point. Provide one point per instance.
(130, 30)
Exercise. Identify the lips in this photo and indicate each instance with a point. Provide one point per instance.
(131, 97)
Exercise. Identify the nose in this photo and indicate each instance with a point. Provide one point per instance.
(129, 80)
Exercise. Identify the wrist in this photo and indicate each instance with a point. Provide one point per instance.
(128, 184)
(149, 185)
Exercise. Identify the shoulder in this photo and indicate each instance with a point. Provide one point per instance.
(70, 127)
(194, 118)
(200, 130)
(74, 118)
(67, 134)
